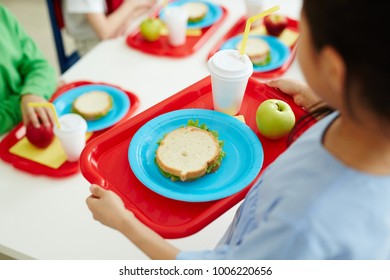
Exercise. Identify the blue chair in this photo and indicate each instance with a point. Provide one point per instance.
(57, 23)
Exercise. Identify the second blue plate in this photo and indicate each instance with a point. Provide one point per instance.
(121, 105)
(279, 51)
(240, 166)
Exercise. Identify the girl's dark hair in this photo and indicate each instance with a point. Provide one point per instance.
(358, 30)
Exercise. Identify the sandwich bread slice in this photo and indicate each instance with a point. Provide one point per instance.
(258, 51)
(188, 153)
(93, 105)
(196, 11)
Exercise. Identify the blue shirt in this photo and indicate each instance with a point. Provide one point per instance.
(309, 205)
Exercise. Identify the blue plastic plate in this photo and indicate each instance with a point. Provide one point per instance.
(279, 51)
(214, 14)
(240, 166)
(121, 105)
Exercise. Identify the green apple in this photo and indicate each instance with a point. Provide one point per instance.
(274, 118)
(150, 29)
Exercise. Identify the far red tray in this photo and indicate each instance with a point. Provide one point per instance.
(104, 161)
(68, 168)
(239, 27)
(161, 47)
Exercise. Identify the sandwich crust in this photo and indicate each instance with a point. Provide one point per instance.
(258, 51)
(188, 152)
(93, 105)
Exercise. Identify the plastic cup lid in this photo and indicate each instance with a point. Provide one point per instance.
(230, 64)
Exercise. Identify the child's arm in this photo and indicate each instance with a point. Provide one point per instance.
(9, 113)
(114, 24)
(28, 74)
(301, 93)
(39, 82)
(109, 209)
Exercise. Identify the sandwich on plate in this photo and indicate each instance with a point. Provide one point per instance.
(92, 105)
(258, 51)
(190, 152)
(196, 11)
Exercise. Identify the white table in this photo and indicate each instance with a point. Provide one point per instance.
(47, 218)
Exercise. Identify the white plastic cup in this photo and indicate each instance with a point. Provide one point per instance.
(175, 19)
(230, 72)
(254, 7)
(72, 135)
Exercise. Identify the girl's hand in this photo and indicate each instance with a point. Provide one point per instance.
(110, 210)
(301, 93)
(36, 115)
(107, 207)
(143, 5)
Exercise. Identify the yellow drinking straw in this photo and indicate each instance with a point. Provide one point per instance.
(248, 25)
(49, 105)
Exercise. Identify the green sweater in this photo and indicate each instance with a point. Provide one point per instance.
(23, 70)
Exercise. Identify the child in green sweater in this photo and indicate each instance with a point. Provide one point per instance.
(25, 76)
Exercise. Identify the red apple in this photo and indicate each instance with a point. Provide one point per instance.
(40, 137)
(275, 24)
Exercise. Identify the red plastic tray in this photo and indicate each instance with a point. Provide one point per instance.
(105, 162)
(239, 27)
(68, 168)
(161, 47)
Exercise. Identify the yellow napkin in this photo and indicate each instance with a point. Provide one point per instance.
(190, 32)
(52, 156)
(288, 36)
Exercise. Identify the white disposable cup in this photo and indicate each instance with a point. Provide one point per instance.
(72, 135)
(176, 19)
(230, 72)
(254, 7)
